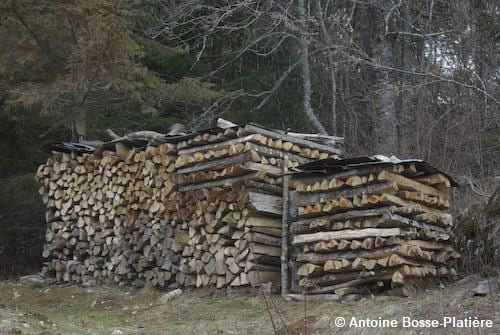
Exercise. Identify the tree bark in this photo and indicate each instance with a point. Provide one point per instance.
(306, 73)
(422, 83)
(368, 74)
(79, 123)
(386, 109)
(331, 66)
(404, 125)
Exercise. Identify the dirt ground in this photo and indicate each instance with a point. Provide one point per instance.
(39, 309)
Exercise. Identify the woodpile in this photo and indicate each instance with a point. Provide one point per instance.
(107, 216)
(202, 209)
(230, 199)
(206, 209)
(360, 227)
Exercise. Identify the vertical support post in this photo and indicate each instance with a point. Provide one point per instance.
(284, 230)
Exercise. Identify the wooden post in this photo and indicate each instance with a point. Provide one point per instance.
(284, 231)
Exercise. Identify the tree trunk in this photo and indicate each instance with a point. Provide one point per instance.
(386, 109)
(306, 73)
(422, 84)
(404, 125)
(367, 21)
(331, 66)
(79, 123)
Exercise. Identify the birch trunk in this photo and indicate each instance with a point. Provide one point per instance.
(306, 73)
(386, 109)
(79, 121)
(404, 125)
(331, 66)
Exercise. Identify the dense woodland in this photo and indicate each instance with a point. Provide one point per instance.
(407, 78)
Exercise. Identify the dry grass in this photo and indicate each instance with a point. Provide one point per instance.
(28, 309)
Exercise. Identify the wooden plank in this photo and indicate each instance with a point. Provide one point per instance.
(320, 259)
(442, 218)
(284, 231)
(361, 171)
(203, 177)
(263, 239)
(389, 218)
(217, 164)
(425, 199)
(216, 146)
(315, 297)
(304, 199)
(295, 140)
(426, 245)
(303, 225)
(268, 231)
(269, 169)
(433, 179)
(410, 184)
(262, 221)
(318, 137)
(384, 275)
(223, 182)
(265, 203)
(389, 199)
(245, 159)
(334, 278)
(229, 171)
(257, 185)
(269, 152)
(263, 249)
(349, 234)
(353, 278)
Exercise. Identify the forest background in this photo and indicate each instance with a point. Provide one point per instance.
(415, 79)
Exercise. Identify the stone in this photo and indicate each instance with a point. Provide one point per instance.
(485, 287)
(323, 323)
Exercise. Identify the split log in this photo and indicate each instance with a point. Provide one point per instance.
(350, 234)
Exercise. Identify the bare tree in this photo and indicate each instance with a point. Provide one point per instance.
(331, 65)
(406, 65)
(386, 95)
(306, 72)
(396, 77)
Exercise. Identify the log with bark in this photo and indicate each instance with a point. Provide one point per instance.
(369, 226)
(201, 209)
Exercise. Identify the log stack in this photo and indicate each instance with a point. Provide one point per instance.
(106, 215)
(365, 224)
(192, 210)
(230, 199)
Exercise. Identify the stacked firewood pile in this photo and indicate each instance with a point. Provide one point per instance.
(230, 203)
(196, 210)
(365, 224)
(107, 216)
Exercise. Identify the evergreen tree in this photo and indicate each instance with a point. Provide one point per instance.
(80, 60)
